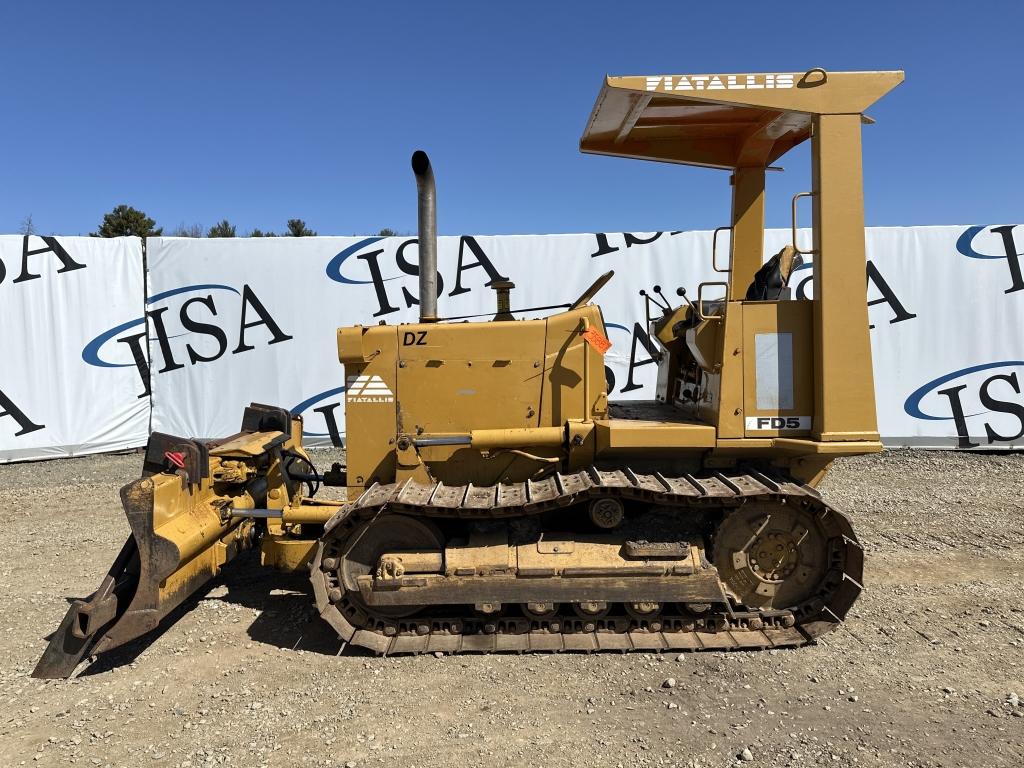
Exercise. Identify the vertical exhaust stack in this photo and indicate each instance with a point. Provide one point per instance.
(426, 199)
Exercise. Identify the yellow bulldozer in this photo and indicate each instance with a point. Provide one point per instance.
(496, 499)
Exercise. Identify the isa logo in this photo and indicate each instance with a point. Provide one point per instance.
(363, 263)
(994, 243)
(187, 326)
(32, 269)
(50, 245)
(980, 400)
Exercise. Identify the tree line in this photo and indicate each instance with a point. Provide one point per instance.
(126, 221)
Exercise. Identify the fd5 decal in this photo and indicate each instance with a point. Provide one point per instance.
(755, 423)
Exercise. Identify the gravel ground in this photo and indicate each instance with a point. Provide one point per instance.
(925, 673)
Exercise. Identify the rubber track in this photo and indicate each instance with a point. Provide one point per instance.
(721, 631)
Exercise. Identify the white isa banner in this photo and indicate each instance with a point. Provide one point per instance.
(239, 320)
(66, 386)
(94, 353)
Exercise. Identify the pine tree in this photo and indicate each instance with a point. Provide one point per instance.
(124, 221)
(223, 228)
(298, 228)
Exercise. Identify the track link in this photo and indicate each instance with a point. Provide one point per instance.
(730, 626)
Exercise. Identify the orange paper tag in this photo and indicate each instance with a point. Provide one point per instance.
(597, 340)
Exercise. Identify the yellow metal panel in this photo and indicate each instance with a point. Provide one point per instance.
(779, 317)
(709, 153)
(371, 408)
(244, 445)
(459, 377)
(845, 394)
(492, 439)
(633, 434)
(462, 378)
(350, 344)
(846, 448)
(747, 241)
(722, 120)
(287, 554)
(813, 91)
(730, 404)
(574, 380)
(705, 345)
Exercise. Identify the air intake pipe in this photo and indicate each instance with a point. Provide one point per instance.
(426, 200)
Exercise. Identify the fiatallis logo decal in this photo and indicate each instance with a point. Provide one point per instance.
(719, 82)
(369, 389)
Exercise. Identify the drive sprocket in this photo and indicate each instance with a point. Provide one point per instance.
(776, 554)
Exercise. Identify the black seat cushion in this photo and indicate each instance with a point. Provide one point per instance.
(772, 279)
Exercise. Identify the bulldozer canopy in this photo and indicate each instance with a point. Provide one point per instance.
(722, 121)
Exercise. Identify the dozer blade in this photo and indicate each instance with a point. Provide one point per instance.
(179, 541)
(86, 618)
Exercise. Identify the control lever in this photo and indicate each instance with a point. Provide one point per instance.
(680, 328)
(657, 290)
(682, 292)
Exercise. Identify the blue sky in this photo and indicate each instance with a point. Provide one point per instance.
(260, 112)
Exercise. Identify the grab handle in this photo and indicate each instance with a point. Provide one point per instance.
(714, 250)
(796, 248)
(700, 300)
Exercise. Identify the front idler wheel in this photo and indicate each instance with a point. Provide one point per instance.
(366, 553)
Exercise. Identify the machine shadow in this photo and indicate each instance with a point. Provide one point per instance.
(130, 651)
(287, 614)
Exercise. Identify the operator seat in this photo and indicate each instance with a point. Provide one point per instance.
(772, 280)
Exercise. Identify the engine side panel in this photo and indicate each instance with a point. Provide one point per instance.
(413, 381)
